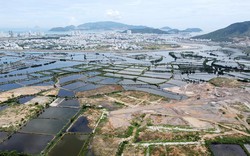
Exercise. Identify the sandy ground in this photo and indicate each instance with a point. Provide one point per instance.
(93, 116)
(104, 146)
(4, 96)
(52, 92)
(41, 100)
(133, 151)
(209, 112)
(205, 106)
(247, 146)
(14, 116)
(197, 123)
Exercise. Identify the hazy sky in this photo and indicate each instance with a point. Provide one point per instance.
(206, 14)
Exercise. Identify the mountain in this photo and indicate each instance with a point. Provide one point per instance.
(241, 29)
(107, 25)
(176, 31)
(192, 30)
(166, 28)
(147, 30)
(104, 25)
(67, 28)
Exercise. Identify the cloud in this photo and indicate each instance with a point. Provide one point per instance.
(135, 3)
(114, 14)
(72, 20)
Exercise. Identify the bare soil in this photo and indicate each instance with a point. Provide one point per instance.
(30, 90)
(14, 116)
(105, 146)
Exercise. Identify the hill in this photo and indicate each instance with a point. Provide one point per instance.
(176, 31)
(67, 28)
(166, 28)
(147, 30)
(107, 25)
(104, 25)
(192, 30)
(227, 34)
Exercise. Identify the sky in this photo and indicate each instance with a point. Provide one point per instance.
(208, 15)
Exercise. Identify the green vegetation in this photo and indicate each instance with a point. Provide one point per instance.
(84, 149)
(129, 131)
(12, 153)
(121, 148)
(173, 55)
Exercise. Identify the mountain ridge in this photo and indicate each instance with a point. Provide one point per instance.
(102, 25)
(110, 25)
(239, 29)
(147, 31)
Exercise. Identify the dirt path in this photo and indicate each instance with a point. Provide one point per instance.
(213, 122)
(168, 143)
(102, 116)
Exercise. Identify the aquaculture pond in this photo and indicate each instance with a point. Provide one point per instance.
(74, 85)
(9, 86)
(26, 143)
(71, 78)
(88, 87)
(66, 93)
(157, 91)
(59, 113)
(68, 145)
(81, 125)
(227, 150)
(44, 126)
(69, 103)
(3, 136)
(69, 73)
(25, 99)
(51, 121)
